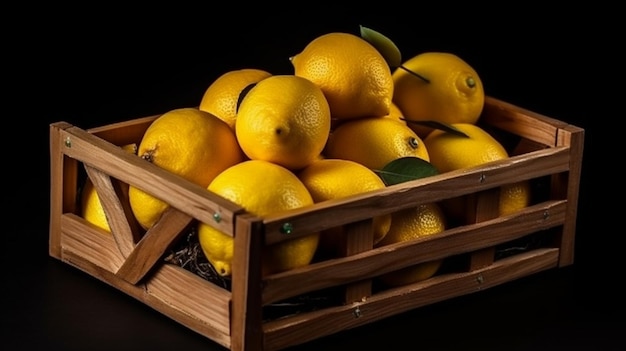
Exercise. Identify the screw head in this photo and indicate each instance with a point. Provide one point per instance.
(287, 228)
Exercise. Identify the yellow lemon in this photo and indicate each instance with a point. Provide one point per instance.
(354, 76)
(336, 178)
(514, 197)
(284, 119)
(395, 113)
(374, 142)
(450, 152)
(454, 92)
(188, 142)
(222, 95)
(262, 188)
(410, 224)
(91, 207)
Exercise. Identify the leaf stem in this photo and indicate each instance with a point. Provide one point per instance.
(426, 80)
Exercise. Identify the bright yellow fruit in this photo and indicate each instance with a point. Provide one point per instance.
(454, 93)
(449, 152)
(188, 142)
(221, 97)
(410, 224)
(374, 142)
(336, 178)
(514, 197)
(91, 207)
(354, 76)
(284, 119)
(262, 188)
(395, 113)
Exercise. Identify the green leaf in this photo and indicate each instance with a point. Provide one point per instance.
(438, 125)
(384, 45)
(405, 169)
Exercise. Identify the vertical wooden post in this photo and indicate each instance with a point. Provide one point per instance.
(247, 310)
(63, 185)
(567, 186)
(359, 237)
(483, 206)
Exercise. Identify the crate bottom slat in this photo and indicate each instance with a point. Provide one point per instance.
(290, 331)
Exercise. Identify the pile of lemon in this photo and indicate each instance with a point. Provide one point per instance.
(277, 142)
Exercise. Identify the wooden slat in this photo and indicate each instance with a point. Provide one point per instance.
(123, 133)
(520, 121)
(392, 257)
(305, 327)
(120, 217)
(192, 295)
(186, 196)
(336, 212)
(161, 236)
(93, 243)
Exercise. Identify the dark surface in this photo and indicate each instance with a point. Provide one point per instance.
(91, 70)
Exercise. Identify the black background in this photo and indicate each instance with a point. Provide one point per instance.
(100, 65)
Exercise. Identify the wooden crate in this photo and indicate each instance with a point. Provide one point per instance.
(545, 151)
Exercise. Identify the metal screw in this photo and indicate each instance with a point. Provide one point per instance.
(68, 142)
(217, 217)
(482, 178)
(480, 279)
(546, 214)
(357, 312)
(287, 228)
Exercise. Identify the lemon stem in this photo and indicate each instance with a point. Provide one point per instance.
(426, 80)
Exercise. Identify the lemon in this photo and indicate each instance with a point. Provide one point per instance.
(450, 152)
(514, 197)
(336, 178)
(222, 95)
(374, 142)
(262, 188)
(354, 76)
(188, 142)
(395, 113)
(91, 207)
(454, 92)
(412, 223)
(284, 119)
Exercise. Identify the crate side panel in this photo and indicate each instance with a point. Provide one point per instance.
(388, 258)
(94, 251)
(309, 326)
